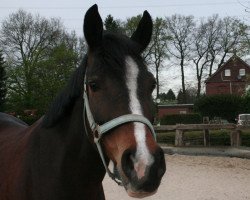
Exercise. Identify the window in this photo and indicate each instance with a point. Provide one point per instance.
(183, 112)
(227, 72)
(242, 72)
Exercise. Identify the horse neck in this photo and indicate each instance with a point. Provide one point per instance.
(81, 154)
(67, 158)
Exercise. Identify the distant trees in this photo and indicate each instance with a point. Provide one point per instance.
(189, 98)
(180, 29)
(112, 25)
(130, 24)
(36, 47)
(200, 52)
(52, 73)
(40, 55)
(156, 52)
(191, 45)
(204, 45)
(168, 97)
(232, 32)
(163, 98)
(3, 88)
(212, 35)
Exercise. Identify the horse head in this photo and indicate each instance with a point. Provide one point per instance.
(119, 85)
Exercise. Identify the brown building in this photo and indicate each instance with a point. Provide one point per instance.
(175, 109)
(230, 78)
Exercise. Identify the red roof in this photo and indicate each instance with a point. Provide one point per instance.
(226, 64)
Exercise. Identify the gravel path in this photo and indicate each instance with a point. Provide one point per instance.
(196, 178)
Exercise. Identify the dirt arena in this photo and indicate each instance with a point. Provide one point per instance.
(196, 178)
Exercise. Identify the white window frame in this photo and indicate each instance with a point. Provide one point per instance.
(227, 72)
(242, 72)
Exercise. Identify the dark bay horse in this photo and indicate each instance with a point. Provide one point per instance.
(103, 115)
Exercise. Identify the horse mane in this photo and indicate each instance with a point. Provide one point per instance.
(112, 52)
(64, 101)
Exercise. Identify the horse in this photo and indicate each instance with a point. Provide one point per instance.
(103, 116)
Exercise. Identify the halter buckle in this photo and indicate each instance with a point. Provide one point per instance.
(96, 133)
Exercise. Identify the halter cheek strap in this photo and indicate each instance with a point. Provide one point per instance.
(99, 130)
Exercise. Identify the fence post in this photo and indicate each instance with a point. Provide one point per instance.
(179, 138)
(206, 136)
(235, 138)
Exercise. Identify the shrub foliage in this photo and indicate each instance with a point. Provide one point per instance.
(224, 106)
(181, 119)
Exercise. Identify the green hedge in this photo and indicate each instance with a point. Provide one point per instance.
(181, 119)
(246, 104)
(224, 106)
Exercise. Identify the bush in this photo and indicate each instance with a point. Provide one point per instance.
(181, 119)
(224, 106)
(246, 104)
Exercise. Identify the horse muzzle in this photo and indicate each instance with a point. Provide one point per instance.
(141, 177)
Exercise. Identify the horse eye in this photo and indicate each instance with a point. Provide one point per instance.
(93, 86)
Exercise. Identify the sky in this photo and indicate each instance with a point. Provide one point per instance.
(72, 12)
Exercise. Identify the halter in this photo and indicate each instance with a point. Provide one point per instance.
(99, 130)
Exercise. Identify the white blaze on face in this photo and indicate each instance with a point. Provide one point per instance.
(142, 157)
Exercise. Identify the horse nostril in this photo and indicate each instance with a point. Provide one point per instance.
(143, 176)
(127, 163)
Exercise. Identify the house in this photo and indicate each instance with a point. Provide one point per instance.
(175, 109)
(230, 78)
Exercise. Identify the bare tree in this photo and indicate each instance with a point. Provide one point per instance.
(129, 27)
(156, 52)
(205, 48)
(200, 52)
(214, 40)
(158, 49)
(232, 31)
(25, 36)
(212, 36)
(246, 43)
(180, 30)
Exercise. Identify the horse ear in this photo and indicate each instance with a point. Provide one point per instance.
(93, 27)
(143, 33)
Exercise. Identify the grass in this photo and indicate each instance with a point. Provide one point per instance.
(245, 138)
(195, 138)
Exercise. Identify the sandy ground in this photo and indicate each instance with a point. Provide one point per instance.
(196, 178)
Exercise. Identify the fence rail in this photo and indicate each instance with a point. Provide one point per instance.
(180, 129)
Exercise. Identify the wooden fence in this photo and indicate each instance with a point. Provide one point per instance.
(180, 129)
